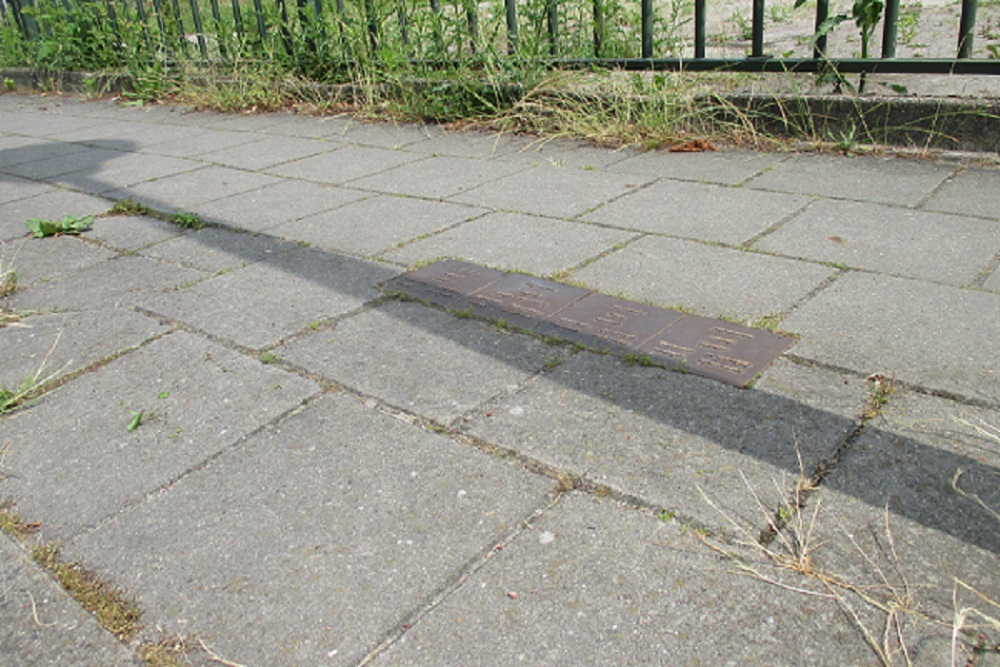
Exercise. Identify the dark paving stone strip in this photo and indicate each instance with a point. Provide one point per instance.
(724, 351)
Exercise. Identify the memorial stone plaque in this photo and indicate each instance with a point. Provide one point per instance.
(442, 282)
(732, 353)
(608, 323)
(521, 301)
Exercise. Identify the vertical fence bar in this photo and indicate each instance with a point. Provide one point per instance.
(822, 13)
(511, 11)
(472, 19)
(647, 28)
(140, 11)
(552, 21)
(160, 22)
(237, 17)
(757, 44)
(176, 5)
(404, 27)
(258, 9)
(436, 26)
(372, 18)
(598, 28)
(199, 29)
(15, 8)
(113, 17)
(966, 28)
(699, 28)
(889, 29)
(286, 33)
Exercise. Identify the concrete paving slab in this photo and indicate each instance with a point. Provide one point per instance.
(86, 162)
(245, 123)
(971, 191)
(39, 261)
(595, 583)
(202, 141)
(13, 188)
(699, 211)
(472, 143)
(713, 281)
(267, 151)
(345, 164)
(132, 232)
(140, 135)
(390, 353)
(272, 205)
(377, 224)
(46, 121)
(16, 149)
(944, 248)
(889, 510)
(542, 246)
(52, 203)
(334, 526)
(117, 283)
(723, 168)
(938, 337)
(329, 128)
(660, 436)
(436, 177)
(67, 342)
(41, 626)
(217, 249)
(189, 189)
(993, 282)
(553, 191)
(860, 178)
(125, 170)
(385, 135)
(566, 153)
(263, 304)
(71, 461)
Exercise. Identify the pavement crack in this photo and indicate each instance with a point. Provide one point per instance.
(464, 572)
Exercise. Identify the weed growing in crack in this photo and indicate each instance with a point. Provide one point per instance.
(880, 389)
(30, 388)
(114, 611)
(70, 225)
(128, 207)
(12, 524)
(187, 220)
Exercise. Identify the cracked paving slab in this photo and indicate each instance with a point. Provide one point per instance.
(593, 582)
(392, 352)
(942, 338)
(41, 625)
(661, 436)
(265, 303)
(315, 538)
(71, 460)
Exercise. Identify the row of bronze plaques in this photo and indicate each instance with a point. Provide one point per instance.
(732, 353)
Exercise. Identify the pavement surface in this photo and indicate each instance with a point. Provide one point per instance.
(326, 475)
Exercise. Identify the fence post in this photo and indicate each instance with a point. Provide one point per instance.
(822, 12)
(891, 19)
(647, 28)
(552, 19)
(598, 28)
(757, 44)
(511, 11)
(699, 28)
(966, 28)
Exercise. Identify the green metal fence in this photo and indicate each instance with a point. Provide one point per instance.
(564, 33)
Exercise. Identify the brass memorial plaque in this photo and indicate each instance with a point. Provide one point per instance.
(731, 353)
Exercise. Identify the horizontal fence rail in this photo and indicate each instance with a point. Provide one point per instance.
(561, 33)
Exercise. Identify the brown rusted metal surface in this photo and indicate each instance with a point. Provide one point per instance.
(608, 323)
(520, 301)
(732, 353)
(442, 282)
